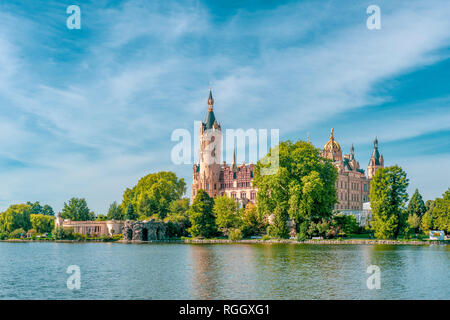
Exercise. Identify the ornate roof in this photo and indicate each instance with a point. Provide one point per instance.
(332, 145)
(210, 118)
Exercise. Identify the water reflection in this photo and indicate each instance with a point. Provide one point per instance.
(223, 271)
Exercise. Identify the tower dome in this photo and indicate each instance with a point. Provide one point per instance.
(332, 149)
(332, 145)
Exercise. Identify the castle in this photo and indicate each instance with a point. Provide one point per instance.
(219, 179)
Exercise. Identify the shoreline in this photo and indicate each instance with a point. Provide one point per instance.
(247, 241)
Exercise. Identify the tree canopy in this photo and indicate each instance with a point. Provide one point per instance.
(302, 189)
(416, 205)
(226, 212)
(154, 193)
(15, 217)
(437, 216)
(77, 210)
(203, 221)
(42, 223)
(36, 208)
(388, 199)
(114, 212)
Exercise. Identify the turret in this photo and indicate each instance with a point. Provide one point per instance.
(376, 161)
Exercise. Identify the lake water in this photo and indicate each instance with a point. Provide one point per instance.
(223, 271)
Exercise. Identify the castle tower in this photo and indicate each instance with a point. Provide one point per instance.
(376, 161)
(206, 173)
(332, 149)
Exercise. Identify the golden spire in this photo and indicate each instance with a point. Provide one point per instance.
(332, 145)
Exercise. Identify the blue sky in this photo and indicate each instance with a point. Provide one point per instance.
(88, 112)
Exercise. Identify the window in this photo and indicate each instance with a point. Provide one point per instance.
(207, 186)
(243, 195)
(365, 187)
(233, 195)
(252, 195)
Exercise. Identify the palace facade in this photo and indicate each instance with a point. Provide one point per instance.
(236, 181)
(352, 185)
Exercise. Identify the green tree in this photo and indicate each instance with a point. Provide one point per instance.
(226, 212)
(15, 217)
(101, 217)
(437, 216)
(414, 222)
(180, 206)
(47, 210)
(178, 218)
(303, 188)
(426, 224)
(114, 212)
(278, 228)
(130, 215)
(154, 193)
(36, 208)
(416, 205)
(77, 210)
(388, 199)
(346, 223)
(203, 221)
(42, 223)
(253, 223)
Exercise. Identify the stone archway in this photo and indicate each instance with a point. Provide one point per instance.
(144, 234)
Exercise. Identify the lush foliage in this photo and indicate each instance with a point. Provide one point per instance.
(36, 208)
(114, 212)
(42, 223)
(388, 198)
(203, 221)
(178, 218)
(226, 212)
(303, 188)
(15, 217)
(235, 234)
(437, 216)
(17, 233)
(153, 194)
(253, 224)
(77, 210)
(416, 205)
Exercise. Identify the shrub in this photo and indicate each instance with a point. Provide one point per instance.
(265, 237)
(234, 234)
(117, 237)
(61, 233)
(16, 234)
(104, 238)
(3, 236)
(79, 236)
(301, 237)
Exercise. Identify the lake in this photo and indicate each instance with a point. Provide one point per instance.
(37, 270)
